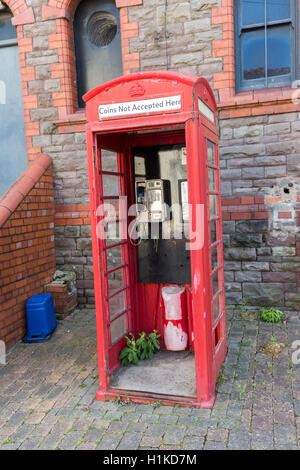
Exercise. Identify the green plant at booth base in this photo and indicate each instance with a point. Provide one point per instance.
(143, 348)
(148, 345)
(153, 343)
(271, 315)
(129, 355)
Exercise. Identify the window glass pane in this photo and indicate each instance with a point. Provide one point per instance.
(111, 185)
(115, 284)
(210, 152)
(213, 235)
(7, 30)
(253, 12)
(117, 304)
(108, 227)
(215, 283)
(112, 233)
(109, 161)
(116, 280)
(114, 257)
(217, 307)
(118, 328)
(214, 258)
(212, 179)
(253, 54)
(278, 10)
(279, 53)
(213, 205)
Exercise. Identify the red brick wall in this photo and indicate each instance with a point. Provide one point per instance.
(27, 256)
(244, 208)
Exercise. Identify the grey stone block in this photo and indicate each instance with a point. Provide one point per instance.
(253, 172)
(247, 276)
(282, 147)
(46, 114)
(39, 29)
(196, 26)
(40, 43)
(226, 188)
(244, 150)
(233, 298)
(240, 162)
(33, 59)
(263, 294)
(275, 171)
(42, 72)
(285, 266)
(232, 286)
(240, 254)
(277, 129)
(245, 239)
(248, 131)
(293, 164)
(41, 140)
(231, 174)
(228, 226)
(232, 265)
(251, 226)
(255, 266)
(283, 251)
(269, 160)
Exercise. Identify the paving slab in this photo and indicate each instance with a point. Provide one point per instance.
(47, 396)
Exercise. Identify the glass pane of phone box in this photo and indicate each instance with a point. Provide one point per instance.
(164, 260)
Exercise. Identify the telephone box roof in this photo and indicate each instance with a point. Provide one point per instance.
(185, 79)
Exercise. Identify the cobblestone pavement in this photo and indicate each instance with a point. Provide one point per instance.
(47, 397)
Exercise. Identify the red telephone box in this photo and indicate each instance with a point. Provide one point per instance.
(152, 152)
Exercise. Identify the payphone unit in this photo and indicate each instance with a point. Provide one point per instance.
(150, 198)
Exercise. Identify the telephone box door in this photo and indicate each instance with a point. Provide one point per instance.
(113, 245)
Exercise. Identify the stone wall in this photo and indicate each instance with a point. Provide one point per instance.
(260, 184)
(179, 38)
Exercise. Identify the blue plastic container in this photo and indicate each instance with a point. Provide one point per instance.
(40, 315)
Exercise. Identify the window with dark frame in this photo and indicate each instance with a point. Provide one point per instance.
(265, 43)
(97, 40)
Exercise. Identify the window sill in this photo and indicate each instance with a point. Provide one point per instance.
(77, 118)
(257, 97)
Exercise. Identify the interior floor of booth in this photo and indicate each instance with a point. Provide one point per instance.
(168, 373)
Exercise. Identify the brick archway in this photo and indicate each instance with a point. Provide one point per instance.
(16, 6)
(62, 10)
(71, 5)
(67, 5)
